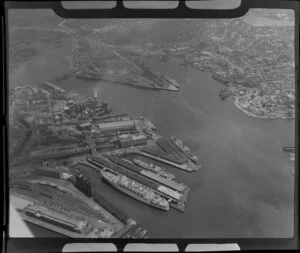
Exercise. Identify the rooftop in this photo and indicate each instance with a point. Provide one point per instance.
(85, 124)
(117, 124)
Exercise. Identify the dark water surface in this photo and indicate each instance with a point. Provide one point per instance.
(245, 188)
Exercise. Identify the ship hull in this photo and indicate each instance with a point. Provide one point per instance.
(129, 193)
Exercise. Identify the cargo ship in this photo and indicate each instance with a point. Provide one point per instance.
(186, 150)
(135, 190)
(158, 170)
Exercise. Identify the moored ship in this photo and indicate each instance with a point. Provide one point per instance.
(186, 150)
(135, 190)
(158, 170)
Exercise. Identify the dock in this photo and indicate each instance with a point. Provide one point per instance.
(180, 206)
(56, 229)
(175, 165)
(128, 165)
(167, 146)
(144, 180)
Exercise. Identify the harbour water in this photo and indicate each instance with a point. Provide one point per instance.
(245, 186)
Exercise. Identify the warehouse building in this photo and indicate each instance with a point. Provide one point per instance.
(128, 140)
(116, 126)
(87, 126)
(46, 172)
(167, 191)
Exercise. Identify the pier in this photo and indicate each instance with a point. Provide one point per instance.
(178, 166)
(142, 179)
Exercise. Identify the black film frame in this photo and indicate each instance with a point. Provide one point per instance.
(182, 11)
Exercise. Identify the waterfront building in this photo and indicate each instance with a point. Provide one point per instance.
(46, 172)
(117, 126)
(128, 140)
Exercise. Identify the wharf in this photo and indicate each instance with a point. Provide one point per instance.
(167, 146)
(122, 231)
(180, 206)
(130, 174)
(44, 224)
(146, 173)
(135, 231)
(65, 208)
(53, 228)
(178, 166)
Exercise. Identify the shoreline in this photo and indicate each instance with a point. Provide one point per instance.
(252, 115)
(237, 105)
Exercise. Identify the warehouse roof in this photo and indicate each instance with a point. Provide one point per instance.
(117, 124)
(85, 124)
(54, 215)
(138, 137)
(170, 192)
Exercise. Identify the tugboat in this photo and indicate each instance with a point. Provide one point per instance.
(154, 168)
(186, 150)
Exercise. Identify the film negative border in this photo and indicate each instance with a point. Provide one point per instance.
(56, 244)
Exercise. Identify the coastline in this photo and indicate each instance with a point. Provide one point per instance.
(237, 105)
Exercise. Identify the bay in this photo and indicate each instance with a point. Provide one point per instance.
(245, 187)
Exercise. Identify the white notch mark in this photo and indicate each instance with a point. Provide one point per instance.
(89, 247)
(88, 4)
